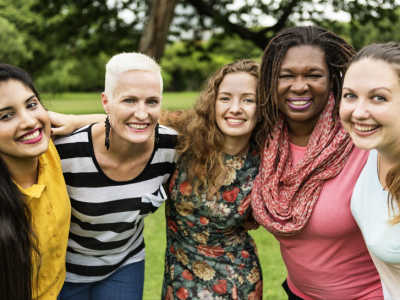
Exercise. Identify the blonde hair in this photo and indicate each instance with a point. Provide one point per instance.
(128, 61)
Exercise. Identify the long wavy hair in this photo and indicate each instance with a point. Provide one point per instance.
(18, 243)
(337, 55)
(389, 53)
(200, 141)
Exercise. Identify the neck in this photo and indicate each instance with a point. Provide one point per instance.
(23, 171)
(234, 145)
(299, 132)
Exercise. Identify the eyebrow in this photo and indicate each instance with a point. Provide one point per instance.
(312, 69)
(10, 107)
(373, 90)
(246, 93)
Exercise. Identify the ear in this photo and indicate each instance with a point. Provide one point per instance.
(105, 102)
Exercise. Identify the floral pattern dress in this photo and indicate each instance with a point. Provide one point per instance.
(209, 254)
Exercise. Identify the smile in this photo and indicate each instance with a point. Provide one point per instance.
(234, 122)
(138, 126)
(299, 103)
(365, 130)
(31, 137)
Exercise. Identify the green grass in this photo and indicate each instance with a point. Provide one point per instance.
(86, 103)
(273, 269)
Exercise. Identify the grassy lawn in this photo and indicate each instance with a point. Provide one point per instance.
(86, 103)
(268, 248)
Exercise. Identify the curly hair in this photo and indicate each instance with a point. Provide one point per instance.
(337, 55)
(200, 141)
(389, 53)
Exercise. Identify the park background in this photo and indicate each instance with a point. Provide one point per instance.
(64, 44)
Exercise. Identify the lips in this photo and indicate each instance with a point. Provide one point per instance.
(365, 129)
(234, 121)
(138, 126)
(299, 103)
(32, 137)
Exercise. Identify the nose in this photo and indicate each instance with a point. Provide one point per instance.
(299, 85)
(360, 110)
(27, 120)
(235, 106)
(141, 112)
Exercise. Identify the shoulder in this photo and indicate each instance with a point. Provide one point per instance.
(167, 137)
(77, 142)
(79, 135)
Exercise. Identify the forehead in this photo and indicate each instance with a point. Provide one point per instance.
(239, 82)
(13, 92)
(304, 57)
(138, 82)
(370, 73)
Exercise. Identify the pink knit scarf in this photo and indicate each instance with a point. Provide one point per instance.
(284, 195)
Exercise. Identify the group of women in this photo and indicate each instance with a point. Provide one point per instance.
(305, 145)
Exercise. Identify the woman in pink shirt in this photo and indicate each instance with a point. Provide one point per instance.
(309, 168)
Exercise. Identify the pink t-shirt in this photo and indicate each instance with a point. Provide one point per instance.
(328, 260)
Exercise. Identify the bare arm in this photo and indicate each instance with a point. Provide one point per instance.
(62, 124)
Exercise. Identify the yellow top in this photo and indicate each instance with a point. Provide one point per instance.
(51, 213)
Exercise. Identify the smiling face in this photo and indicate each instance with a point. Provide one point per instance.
(136, 106)
(370, 106)
(235, 106)
(303, 85)
(25, 124)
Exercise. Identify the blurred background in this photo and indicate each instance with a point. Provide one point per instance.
(64, 45)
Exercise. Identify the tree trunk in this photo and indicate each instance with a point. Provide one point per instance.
(155, 33)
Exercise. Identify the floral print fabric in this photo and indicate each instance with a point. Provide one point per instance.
(209, 254)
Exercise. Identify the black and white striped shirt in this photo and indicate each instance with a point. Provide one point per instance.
(107, 216)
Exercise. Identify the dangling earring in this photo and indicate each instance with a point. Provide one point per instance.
(107, 125)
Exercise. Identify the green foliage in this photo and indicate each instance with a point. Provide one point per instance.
(73, 73)
(187, 65)
(64, 44)
(360, 32)
(17, 45)
(13, 48)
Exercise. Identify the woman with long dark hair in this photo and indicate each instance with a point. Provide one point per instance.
(34, 205)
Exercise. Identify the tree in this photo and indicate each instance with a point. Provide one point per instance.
(72, 32)
(101, 22)
(156, 30)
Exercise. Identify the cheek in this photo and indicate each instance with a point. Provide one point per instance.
(281, 87)
(252, 113)
(42, 115)
(155, 113)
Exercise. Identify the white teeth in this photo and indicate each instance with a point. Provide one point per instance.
(138, 126)
(31, 136)
(365, 128)
(299, 102)
(235, 121)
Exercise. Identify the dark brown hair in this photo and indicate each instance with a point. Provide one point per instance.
(18, 243)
